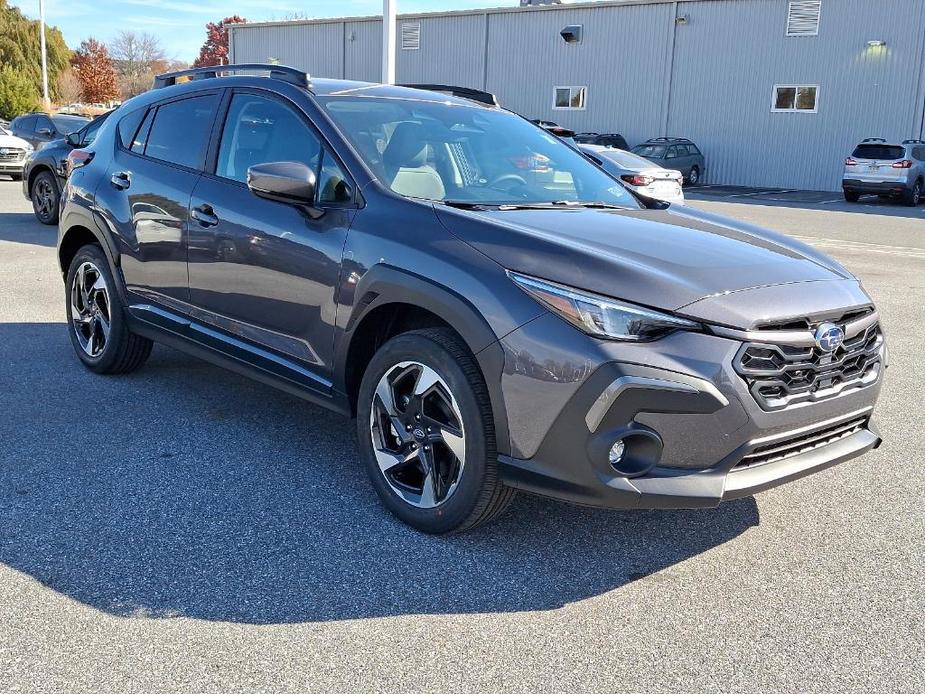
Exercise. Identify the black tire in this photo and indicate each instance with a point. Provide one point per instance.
(913, 196)
(480, 494)
(693, 178)
(851, 196)
(45, 197)
(122, 351)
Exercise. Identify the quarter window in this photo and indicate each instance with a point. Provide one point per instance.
(128, 126)
(570, 98)
(139, 140)
(260, 130)
(794, 98)
(180, 131)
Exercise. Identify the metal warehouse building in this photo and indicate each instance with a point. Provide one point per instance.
(775, 93)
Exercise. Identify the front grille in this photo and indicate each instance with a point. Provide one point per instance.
(12, 154)
(797, 445)
(780, 375)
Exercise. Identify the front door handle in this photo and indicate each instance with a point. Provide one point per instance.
(121, 180)
(205, 215)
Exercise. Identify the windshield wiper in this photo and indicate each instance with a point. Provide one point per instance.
(507, 206)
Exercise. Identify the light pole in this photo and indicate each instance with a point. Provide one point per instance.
(45, 99)
(389, 12)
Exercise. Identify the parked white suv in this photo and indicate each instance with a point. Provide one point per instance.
(888, 170)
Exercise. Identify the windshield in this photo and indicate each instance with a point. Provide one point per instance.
(625, 159)
(4, 131)
(69, 124)
(469, 154)
(650, 151)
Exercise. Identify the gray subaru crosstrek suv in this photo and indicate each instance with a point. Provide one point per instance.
(496, 312)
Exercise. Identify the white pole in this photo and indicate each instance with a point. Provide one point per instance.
(389, 12)
(45, 98)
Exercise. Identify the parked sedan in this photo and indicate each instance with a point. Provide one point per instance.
(45, 171)
(39, 128)
(674, 153)
(13, 153)
(639, 175)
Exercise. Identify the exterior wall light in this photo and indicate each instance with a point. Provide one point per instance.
(876, 44)
(682, 19)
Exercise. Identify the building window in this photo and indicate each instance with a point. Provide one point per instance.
(803, 17)
(792, 98)
(569, 98)
(410, 36)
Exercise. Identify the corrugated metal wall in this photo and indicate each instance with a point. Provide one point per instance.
(710, 78)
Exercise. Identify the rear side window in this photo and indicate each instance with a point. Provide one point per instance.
(180, 131)
(128, 126)
(25, 123)
(878, 152)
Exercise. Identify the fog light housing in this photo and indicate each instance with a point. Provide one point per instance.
(616, 453)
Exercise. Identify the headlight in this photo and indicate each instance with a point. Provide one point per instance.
(602, 317)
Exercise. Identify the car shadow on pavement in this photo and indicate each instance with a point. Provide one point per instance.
(184, 490)
(805, 199)
(22, 227)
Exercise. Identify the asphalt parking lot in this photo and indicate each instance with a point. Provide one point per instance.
(184, 528)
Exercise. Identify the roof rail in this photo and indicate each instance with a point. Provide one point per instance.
(914, 142)
(280, 72)
(668, 139)
(463, 92)
(873, 139)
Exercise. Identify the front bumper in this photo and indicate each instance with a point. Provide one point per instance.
(12, 167)
(678, 402)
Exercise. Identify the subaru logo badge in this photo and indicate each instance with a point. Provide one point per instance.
(829, 336)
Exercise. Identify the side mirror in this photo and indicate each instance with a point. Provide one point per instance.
(73, 139)
(44, 132)
(284, 181)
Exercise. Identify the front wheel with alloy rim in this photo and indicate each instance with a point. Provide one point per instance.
(45, 198)
(97, 325)
(693, 178)
(426, 433)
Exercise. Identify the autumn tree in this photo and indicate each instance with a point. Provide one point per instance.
(137, 57)
(95, 71)
(215, 50)
(19, 53)
(69, 88)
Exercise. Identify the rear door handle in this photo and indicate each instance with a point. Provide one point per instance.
(205, 215)
(121, 180)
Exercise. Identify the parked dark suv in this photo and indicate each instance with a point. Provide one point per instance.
(39, 128)
(677, 153)
(46, 170)
(395, 255)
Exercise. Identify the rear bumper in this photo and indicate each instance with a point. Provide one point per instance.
(880, 188)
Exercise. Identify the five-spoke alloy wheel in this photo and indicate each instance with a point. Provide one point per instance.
(426, 433)
(91, 309)
(97, 324)
(417, 434)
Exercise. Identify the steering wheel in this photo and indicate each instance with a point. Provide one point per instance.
(507, 178)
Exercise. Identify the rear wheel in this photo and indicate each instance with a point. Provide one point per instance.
(851, 196)
(98, 329)
(45, 197)
(426, 434)
(913, 196)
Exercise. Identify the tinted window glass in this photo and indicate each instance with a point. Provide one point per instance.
(128, 126)
(43, 122)
(333, 186)
(68, 124)
(25, 123)
(180, 131)
(260, 130)
(139, 140)
(919, 153)
(650, 151)
(457, 152)
(673, 152)
(878, 152)
(89, 135)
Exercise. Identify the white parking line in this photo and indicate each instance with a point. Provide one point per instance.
(841, 244)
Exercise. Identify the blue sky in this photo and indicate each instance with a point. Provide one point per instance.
(180, 24)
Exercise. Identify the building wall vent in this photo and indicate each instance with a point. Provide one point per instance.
(803, 18)
(571, 33)
(410, 36)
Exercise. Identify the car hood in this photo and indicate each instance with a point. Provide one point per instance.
(13, 141)
(663, 258)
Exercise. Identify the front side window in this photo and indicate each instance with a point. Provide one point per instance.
(794, 98)
(448, 151)
(180, 131)
(43, 122)
(570, 98)
(650, 151)
(259, 130)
